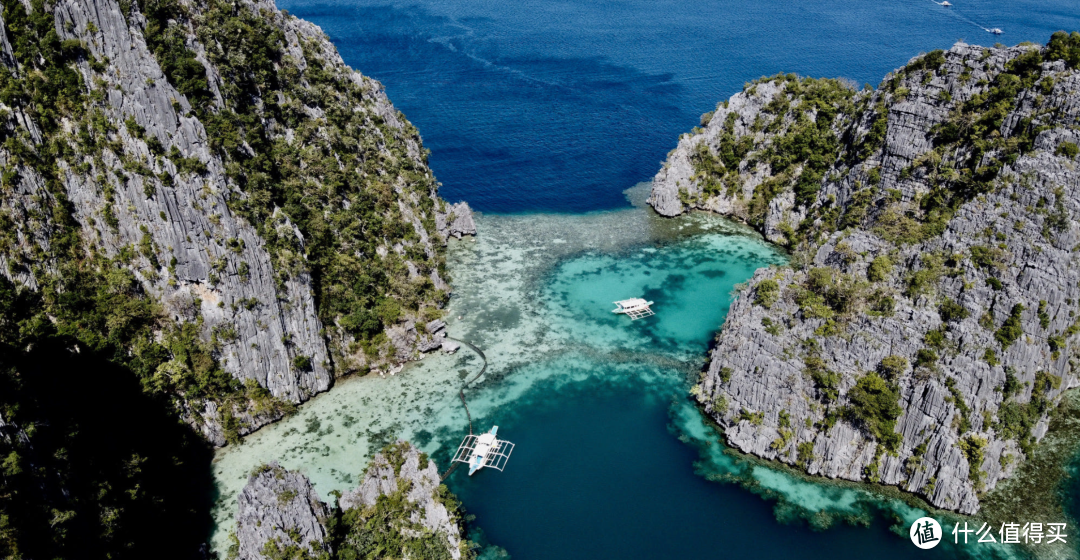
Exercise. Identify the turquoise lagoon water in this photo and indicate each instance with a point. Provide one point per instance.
(612, 458)
(557, 106)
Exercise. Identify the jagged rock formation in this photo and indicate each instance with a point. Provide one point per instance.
(928, 321)
(456, 221)
(399, 505)
(259, 191)
(279, 509)
(402, 469)
(7, 429)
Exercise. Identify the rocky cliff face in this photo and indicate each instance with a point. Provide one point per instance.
(268, 202)
(927, 324)
(402, 475)
(399, 506)
(279, 509)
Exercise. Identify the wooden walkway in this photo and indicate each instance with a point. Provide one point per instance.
(461, 395)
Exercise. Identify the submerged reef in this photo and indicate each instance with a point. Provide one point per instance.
(926, 326)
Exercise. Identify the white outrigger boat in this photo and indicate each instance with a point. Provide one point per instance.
(484, 451)
(636, 308)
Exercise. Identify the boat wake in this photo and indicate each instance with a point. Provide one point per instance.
(967, 20)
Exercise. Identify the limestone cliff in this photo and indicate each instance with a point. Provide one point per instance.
(218, 162)
(280, 509)
(403, 485)
(399, 508)
(927, 324)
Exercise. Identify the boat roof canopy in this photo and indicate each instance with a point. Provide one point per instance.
(631, 301)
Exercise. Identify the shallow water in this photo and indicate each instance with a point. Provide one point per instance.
(612, 458)
(520, 297)
(553, 105)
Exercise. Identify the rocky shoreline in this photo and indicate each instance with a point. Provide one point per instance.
(281, 513)
(925, 328)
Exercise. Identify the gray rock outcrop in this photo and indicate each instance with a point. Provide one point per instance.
(934, 244)
(409, 342)
(456, 221)
(403, 468)
(450, 346)
(279, 508)
(10, 432)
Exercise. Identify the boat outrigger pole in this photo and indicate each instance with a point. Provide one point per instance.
(484, 451)
(635, 308)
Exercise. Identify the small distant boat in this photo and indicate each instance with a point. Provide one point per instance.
(996, 31)
(484, 451)
(945, 3)
(636, 308)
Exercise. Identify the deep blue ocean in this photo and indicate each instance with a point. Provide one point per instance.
(558, 106)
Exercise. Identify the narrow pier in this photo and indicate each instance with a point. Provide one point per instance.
(461, 395)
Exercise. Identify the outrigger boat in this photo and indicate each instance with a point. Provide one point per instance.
(484, 451)
(636, 308)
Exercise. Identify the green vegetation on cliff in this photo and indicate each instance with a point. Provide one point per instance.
(387, 526)
(394, 526)
(92, 464)
(95, 366)
(804, 147)
(931, 223)
(390, 525)
(83, 294)
(874, 404)
(338, 177)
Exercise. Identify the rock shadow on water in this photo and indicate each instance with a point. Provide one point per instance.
(801, 500)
